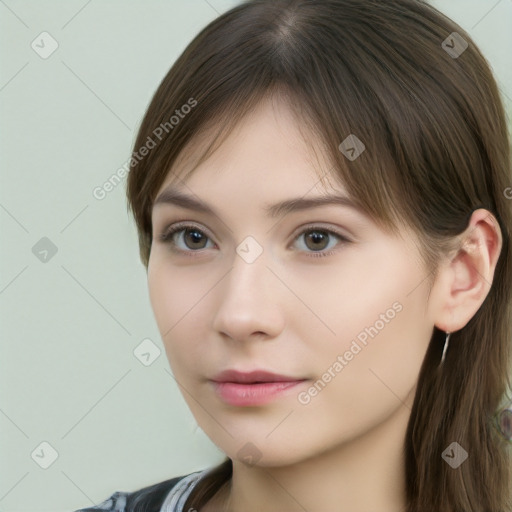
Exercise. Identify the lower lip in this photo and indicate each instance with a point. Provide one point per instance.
(252, 394)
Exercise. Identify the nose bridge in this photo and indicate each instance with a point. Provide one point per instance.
(245, 302)
(247, 283)
(249, 273)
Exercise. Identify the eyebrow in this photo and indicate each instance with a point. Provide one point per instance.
(174, 197)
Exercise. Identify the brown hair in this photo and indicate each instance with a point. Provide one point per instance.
(437, 148)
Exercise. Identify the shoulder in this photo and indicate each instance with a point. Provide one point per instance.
(166, 496)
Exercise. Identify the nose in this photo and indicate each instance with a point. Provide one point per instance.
(249, 305)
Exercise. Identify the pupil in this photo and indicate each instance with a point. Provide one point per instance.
(317, 236)
(194, 236)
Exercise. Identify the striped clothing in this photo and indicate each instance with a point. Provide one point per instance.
(167, 496)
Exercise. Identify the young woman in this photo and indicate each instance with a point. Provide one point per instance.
(322, 191)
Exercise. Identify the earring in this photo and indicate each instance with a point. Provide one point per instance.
(446, 342)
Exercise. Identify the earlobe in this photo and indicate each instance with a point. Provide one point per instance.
(467, 277)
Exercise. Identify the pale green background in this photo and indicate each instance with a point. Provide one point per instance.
(69, 326)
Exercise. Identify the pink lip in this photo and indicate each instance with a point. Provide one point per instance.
(252, 377)
(251, 388)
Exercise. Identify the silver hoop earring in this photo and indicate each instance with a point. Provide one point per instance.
(446, 343)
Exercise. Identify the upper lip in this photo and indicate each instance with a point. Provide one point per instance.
(251, 377)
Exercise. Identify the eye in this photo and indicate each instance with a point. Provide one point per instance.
(187, 234)
(318, 239)
(187, 239)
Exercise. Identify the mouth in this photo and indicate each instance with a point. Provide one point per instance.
(252, 388)
(253, 377)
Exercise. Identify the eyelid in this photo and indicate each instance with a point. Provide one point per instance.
(184, 223)
(189, 224)
(320, 226)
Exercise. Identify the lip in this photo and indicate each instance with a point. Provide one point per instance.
(252, 388)
(252, 377)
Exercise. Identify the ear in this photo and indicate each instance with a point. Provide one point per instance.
(465, 278)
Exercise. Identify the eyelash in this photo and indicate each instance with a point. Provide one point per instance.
(167, 235)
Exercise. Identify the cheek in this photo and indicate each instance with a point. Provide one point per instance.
(174, 292)
(386, 346)
(177, 297)
(377, 312)
(349, 302)
(378, 292)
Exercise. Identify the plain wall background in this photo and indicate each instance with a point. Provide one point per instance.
(69, 325)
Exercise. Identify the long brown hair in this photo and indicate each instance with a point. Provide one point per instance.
(427, 108)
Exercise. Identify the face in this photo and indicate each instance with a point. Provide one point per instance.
(320, 296)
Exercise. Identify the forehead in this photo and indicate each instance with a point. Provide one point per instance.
(269, 145)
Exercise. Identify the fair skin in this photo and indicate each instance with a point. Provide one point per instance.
(292, 313)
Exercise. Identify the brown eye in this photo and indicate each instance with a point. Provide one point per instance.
(184, 238)
(316, 240)
(194, 239)
(319, 241)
